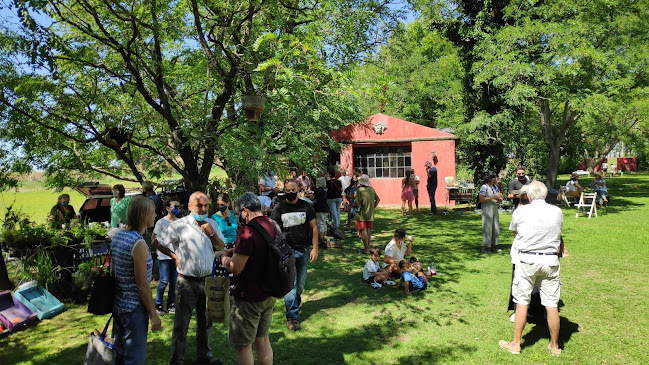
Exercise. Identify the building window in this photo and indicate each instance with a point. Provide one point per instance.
(383, 162)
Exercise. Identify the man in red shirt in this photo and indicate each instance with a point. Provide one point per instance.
(252, 310)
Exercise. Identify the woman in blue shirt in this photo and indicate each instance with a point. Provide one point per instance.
(132, 264)
(227, 222)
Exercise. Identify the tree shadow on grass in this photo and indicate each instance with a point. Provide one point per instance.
(355, 345)
(540, 331)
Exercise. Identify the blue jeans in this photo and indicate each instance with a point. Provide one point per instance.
(431, 195)
(293, 298)
(168, 275)
(334, 209)
(130, 331)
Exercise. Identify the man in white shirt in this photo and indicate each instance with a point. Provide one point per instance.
(191, 242)
(535, 252)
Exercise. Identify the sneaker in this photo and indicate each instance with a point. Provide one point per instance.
(496, 249)
(512, 318)
(160, 310)
(554, 352)
(485, 250)
(516, 350)
(376, 285)
(293, 325)
(390, 282)
(171, 309)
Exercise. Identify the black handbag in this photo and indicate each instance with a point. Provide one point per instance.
(102, 293)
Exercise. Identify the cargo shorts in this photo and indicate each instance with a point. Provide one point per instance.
(542, 272)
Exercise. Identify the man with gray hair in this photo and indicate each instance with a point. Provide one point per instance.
(252, 309)
(191, 241)
(535, 252)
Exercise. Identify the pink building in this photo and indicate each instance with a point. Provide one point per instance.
(384, 147)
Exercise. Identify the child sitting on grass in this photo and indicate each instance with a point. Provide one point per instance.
(371, 271)
(411, 281)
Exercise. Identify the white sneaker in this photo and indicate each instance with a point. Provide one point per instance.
(376, 285)
(512, 318)
(390, 282)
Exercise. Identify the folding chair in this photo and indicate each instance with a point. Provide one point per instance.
(567, 199)
(583, 199)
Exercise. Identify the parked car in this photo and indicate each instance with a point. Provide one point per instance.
(96, 208)
(174, 189)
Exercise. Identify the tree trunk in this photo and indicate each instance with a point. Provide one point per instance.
(554, 136)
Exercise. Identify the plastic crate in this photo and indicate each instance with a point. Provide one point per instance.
(38, 300)
(13, 313)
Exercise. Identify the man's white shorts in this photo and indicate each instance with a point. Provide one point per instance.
(541, 271)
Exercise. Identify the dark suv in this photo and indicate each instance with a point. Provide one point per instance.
(174, 189)
(96, 208)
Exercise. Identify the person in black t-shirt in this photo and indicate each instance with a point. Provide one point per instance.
(515, 186)
(296, 217)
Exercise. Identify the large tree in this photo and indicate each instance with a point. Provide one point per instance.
(134, 90)
(416, 76)
(547, 60)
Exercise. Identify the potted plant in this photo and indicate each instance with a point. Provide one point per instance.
(253, 105)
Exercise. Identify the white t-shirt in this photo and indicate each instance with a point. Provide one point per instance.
(160, 226)
(571, 185)
(416, 187)
(369, 269)
(538, 229)
(267, 181)
(345, 181)
(393, 251)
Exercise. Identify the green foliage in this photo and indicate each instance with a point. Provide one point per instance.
(136, 90)
(417, 76)
(86, 274)
(577, 66)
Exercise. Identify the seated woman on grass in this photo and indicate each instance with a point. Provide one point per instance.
(395, 251)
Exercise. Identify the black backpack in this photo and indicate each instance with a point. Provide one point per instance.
(279, 271)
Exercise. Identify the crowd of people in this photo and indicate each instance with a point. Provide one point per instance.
(189, 249)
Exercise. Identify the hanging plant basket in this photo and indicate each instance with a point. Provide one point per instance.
(253, 106)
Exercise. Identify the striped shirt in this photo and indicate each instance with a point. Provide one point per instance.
(127, 298)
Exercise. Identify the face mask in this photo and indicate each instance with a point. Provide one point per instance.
(200, 217)
(175, 211)
(115, 193)
(521, 178)
(65, 202)
(222, 209)
(291, 196)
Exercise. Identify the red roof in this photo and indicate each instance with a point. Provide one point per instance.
(396, 130)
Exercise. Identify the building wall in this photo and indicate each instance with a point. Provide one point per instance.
(389, 190)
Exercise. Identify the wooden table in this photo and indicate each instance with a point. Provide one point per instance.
(459, 194)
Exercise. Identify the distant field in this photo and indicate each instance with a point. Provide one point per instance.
(36, 200)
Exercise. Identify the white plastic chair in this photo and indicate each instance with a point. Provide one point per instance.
(587, 201)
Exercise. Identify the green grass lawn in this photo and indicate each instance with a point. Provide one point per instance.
(458, 320)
